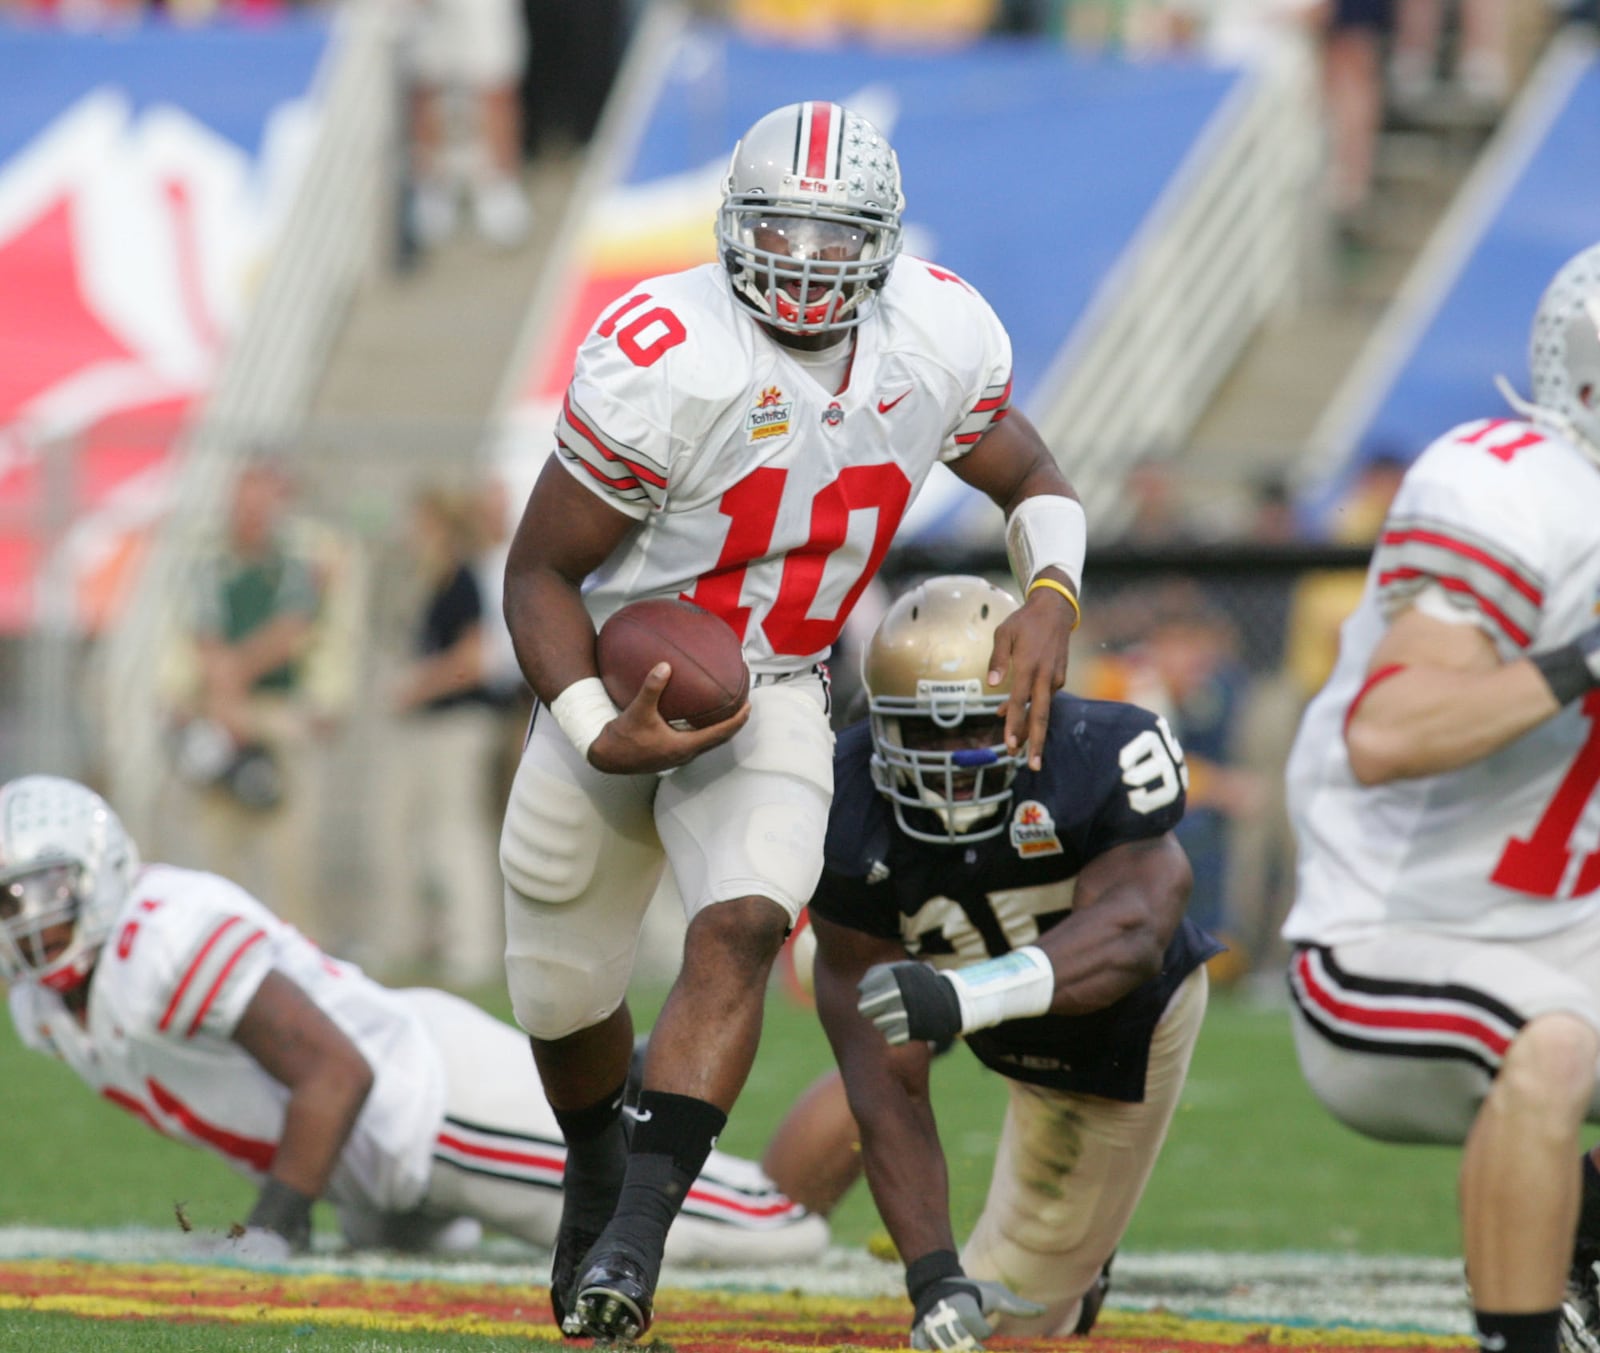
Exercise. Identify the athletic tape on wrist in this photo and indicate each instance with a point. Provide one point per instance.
(582, 711)
(1017, 985)
(1047, 531)
(933, 1267)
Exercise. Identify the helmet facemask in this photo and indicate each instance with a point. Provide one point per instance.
(963, 786)
(810, 221)
(1564, 356)
(66, 867)
(39, 912)
(938, 734)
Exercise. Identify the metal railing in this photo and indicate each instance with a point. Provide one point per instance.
(268, 378)
(1224, 248)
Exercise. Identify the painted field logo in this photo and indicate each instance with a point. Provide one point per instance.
(1033, 830)
(770, 417)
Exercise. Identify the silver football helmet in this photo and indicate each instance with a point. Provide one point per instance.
(925, 673)
(1564, 354)
(810, 220)
(65, 860)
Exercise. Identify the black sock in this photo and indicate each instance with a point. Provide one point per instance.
(672, 1136)
(597, 1153)
(1522, 1332)
(1589, 1210)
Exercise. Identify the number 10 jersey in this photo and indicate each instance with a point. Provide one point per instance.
(760, 494)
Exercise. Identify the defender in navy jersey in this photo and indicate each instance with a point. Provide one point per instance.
(1039, 913)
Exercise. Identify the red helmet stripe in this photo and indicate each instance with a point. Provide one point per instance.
(817, 150)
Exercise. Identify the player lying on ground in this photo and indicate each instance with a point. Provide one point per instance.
(179, 997)
(1446, 971)
(1039, 913)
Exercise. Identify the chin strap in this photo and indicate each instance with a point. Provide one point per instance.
(1553, 419)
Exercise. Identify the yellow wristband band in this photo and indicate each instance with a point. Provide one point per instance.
(1054, 586)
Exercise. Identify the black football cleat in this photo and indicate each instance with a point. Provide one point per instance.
(615, 1302)
(1579, 1330)
(1095, 1298)
(566, 1264)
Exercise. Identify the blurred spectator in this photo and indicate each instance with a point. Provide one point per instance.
(1184, 666)
(576, 49)
(904, 21)
(1157, 515)
(466, 58)
(502, 673)
(1481, 70)
(437, 834)
(1247, 32)
(1323, 600)
(1352, 82)
(1028, 18)
(1260, 878)
(262, 675)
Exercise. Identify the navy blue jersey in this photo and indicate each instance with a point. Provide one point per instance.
(1111, 773)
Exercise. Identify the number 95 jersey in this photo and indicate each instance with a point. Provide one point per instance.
(1493, 526)
(1112, 773)
(763, 495)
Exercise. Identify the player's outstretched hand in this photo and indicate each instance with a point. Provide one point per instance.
(908, 1000)
(955, 1313)
(1032, 645)
(639, 740)
(250, 1245)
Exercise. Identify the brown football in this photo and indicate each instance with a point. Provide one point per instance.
(709, 677)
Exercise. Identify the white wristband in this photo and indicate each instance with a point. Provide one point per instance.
(1047, 531)
(583, 710)
(1017, 985)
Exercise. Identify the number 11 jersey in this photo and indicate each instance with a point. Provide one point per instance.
(1495, 525)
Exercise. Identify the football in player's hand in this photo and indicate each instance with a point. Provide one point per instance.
(709, 678)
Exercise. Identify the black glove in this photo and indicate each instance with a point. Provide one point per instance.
(285, 1211)
(909, 1000)
(1573, 669)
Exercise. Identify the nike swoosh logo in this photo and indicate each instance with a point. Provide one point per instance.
(638, 1116)
(885, 407)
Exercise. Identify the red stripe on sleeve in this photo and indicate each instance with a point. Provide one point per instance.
(200, 958)
(1466, 551)
(1513, 631)
(222, 977)
(593, 438)
(994, 403)
(1381, 675)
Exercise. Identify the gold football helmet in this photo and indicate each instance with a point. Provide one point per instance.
(937, 732)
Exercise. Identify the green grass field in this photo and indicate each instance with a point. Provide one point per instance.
(1252, 1163)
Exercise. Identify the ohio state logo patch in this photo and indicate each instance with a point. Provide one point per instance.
(1033, 830)
(769, 418)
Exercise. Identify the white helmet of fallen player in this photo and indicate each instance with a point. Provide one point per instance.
(66, 866)
(937, 732)
(810, 220)
(1564, 355)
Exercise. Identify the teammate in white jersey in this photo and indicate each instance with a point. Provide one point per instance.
(180, 998)
(746, 435)
(1446, 973)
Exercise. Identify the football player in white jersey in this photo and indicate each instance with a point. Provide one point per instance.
(177, 996)
(746, 435)
(1446, 970)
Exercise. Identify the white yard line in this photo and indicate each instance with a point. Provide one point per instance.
(1380, 1292)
